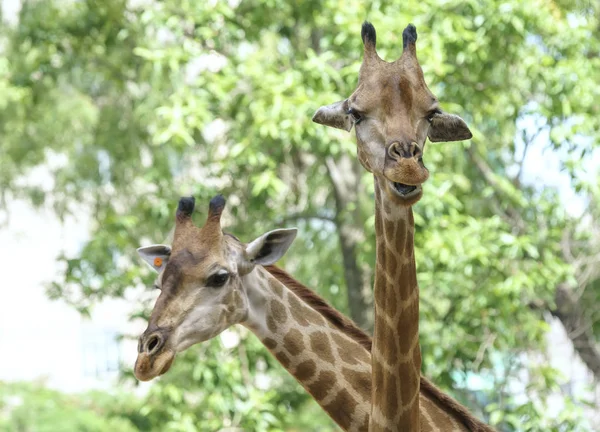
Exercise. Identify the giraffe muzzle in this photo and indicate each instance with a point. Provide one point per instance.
(148, 367)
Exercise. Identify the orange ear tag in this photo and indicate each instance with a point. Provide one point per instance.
(158, 262)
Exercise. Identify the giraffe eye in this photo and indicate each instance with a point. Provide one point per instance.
(217, 280)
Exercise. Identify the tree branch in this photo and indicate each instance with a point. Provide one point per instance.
(568, 308)
(510, 215)
(579, 331)
(304, 216)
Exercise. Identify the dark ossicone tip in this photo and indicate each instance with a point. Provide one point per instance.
(368, 34)
(186, 206)
(216, 206)
(409, 35)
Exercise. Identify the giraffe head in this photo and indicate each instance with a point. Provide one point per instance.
(393, 112)
(201, 279)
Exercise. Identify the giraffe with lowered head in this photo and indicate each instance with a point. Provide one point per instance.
(393, 112)
(210, 281)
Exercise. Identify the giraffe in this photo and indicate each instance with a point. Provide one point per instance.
(393, 112)
(210, 281)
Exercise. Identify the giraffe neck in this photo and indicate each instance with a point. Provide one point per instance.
(347, 398)
(330, 365)
(396, 351)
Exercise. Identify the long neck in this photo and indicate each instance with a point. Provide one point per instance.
(329, 362)
(396, 351)
(331, 366)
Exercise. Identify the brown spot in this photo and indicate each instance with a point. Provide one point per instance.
(409, 284)
(383, 332)
(278, 311)
(392, 263)
(387, 396)
(283, 359)
(305, 370)
(349, 351)
(341, 408)
(412, 417)
(276, 287)
(391, 293)
(408, 324)
(271, 324)
(405, 418)
(294, 342)
(380, 291)
(297, 310)
(359, 381)
(408, 388)
(314, 317)
(410, 239)
(322, 385)
(390, 229)
(270, 343)
(304, 314)
(377, 377)
(321, 345)
(380, 253)
(417, 357)
(395, 233)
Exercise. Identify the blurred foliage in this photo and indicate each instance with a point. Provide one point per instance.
(112, 110)
(32, 407)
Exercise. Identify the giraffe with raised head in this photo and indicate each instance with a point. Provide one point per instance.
(393, 112)
(210, 281)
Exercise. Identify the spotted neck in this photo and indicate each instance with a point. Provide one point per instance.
(330, 365)
(343, 386)
(396, 351)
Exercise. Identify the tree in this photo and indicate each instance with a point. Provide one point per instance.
(131, 107)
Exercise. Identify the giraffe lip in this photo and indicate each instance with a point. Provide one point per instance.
(167, 366)
(405, 190)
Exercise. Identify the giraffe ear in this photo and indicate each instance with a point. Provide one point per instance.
(448, 127)
(156, 256)
(269, 247)
(335, 115)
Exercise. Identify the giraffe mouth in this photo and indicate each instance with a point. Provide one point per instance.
(405, 190)
(149, 367)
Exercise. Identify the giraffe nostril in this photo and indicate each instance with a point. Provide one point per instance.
(398, 150)
(153, 343)
(395, 151)
(416, 151)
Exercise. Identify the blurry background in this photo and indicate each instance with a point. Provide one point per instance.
(111, 110)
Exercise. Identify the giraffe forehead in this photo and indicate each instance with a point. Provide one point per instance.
(392, 86)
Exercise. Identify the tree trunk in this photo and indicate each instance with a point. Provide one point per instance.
(578, 328)
(345, 177)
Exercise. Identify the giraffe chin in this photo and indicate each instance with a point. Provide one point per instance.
(149, 367)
